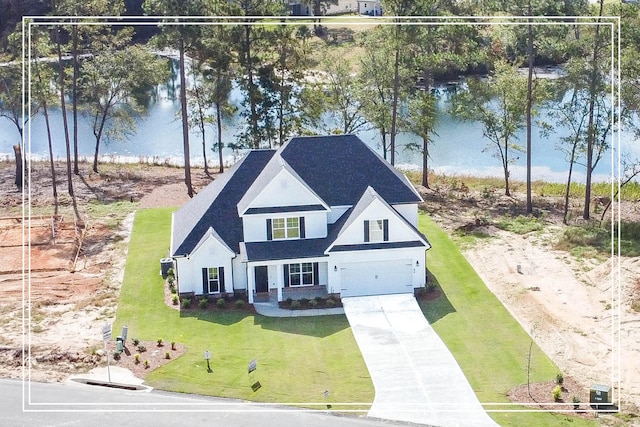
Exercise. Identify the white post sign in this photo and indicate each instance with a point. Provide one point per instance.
(106, 336)
(106, 332)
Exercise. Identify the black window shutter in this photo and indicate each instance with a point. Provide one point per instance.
(286, 275)
(269, 231)
(221, 278)
(385, 230)
(316, 279)
(301, 222)
(205, 281)
(366, 231)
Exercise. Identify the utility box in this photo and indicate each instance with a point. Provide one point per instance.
(119, 344)
(600, 395)
(165, 265)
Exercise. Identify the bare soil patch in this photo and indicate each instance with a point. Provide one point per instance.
(75, 263)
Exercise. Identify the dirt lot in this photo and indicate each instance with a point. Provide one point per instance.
(563, 301)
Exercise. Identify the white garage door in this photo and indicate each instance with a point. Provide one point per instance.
(376, 278)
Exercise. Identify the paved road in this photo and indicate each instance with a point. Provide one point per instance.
(72, 404)
(415, 376)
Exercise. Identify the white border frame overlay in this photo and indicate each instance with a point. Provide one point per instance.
(612, 22)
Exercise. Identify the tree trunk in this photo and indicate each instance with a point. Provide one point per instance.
(219, 124)
(567, 192)
(63, 107)
(529, 106)
(425, 162)
(255, 143)
(394, 108)
(75, 100)
(590, 130)
(45, 110)
(505, 165)
(18, 152)
(185, 123)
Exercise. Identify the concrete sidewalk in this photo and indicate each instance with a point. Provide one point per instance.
(416, 378)
(271, 309)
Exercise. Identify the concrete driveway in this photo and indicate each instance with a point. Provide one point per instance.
(416, 378)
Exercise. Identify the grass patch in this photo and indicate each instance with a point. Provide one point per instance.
(489, 344)
(111, 212)
(594, 242)
(281, 346)
(520, 224)
(630, 192)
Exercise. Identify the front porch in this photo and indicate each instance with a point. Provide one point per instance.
(295, 279)
(295, 293)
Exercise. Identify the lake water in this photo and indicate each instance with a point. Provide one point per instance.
(457, 149)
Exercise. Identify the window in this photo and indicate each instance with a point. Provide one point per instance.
(286, 228)
(376, 230)
(376, 233)
(301, 274)
(213, 280)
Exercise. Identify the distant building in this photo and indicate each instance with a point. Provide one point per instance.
(369, 7)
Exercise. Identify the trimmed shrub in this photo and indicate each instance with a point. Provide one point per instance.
(186, 302)
(289, 301)
(135, 341)
(304, 301)
(559, 378)
(203, 302)
(221, 302)
(576, 402)
(318, 299)
(167, 355)
(313, 303)
(557, 393)
(141, 348)
(330, 302)
(239, 303)
(295, 304)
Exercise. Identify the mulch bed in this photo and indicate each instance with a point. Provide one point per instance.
(155, 355)
(539, 396)
(306, 304)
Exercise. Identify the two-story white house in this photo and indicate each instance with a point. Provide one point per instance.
(324, 213)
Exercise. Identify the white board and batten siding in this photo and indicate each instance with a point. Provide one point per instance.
(284, 190)
(211, 253)
(255, 226)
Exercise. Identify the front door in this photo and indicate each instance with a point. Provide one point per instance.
(262, 278)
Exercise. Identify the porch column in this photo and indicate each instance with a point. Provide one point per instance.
(280, 281)
(251, 282)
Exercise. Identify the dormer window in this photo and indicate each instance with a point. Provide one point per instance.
(285, 228)
(376, 230)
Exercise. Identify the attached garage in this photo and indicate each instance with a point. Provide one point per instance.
(376, 278)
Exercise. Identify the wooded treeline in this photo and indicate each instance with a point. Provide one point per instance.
(295, 74)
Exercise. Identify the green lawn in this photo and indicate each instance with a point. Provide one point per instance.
(488, 343)
(298, 359)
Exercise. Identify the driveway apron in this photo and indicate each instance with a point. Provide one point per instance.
(416, 378)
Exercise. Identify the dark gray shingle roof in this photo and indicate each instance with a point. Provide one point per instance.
(340, 167)
(284, 249)
(216, 206)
